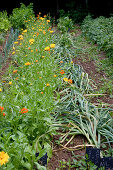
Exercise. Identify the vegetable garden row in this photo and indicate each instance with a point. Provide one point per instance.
(42, 92)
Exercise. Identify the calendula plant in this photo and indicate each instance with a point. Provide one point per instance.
(27, 98)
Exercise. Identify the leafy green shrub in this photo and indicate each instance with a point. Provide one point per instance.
(5, 24)
(19, 15)
(100, 30)
(65, 24)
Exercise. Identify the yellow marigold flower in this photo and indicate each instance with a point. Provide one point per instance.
(3, 158)
(43, 56)
(42, 18)
(52, 45)
(48, 20)
(25, 31)
(47, 48)
(31, 41)
(47, 84)
(13, 52)
(55, 75)
(31, 50)
(16, 42)
(51, 32)
(0, 89)
(27, 64)
(65, 79)
(20, 37)
(10, 82)
(40, 29)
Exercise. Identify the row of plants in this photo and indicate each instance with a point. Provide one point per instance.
(81, 117)
(27, 98)
(15, 20)
(100, 31)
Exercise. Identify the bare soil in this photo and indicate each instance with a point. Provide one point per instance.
(64, 155)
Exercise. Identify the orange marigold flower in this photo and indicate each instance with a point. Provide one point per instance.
(16, 78)
(36, 61)
(15, 71)
(3, 158)
(24, 110)
(62, 72)
(70, 81)
(37, 34)
(61, 61)
(44, 32)
(1, 108)
(42, 92)
(4, 114)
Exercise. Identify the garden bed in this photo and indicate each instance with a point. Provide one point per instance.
(44, 104)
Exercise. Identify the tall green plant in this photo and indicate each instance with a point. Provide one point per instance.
(5, 24)
(20, 15)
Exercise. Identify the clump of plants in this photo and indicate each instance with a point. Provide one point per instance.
(65, 24)
(100, 31)
(20, 15)
(5, 24)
